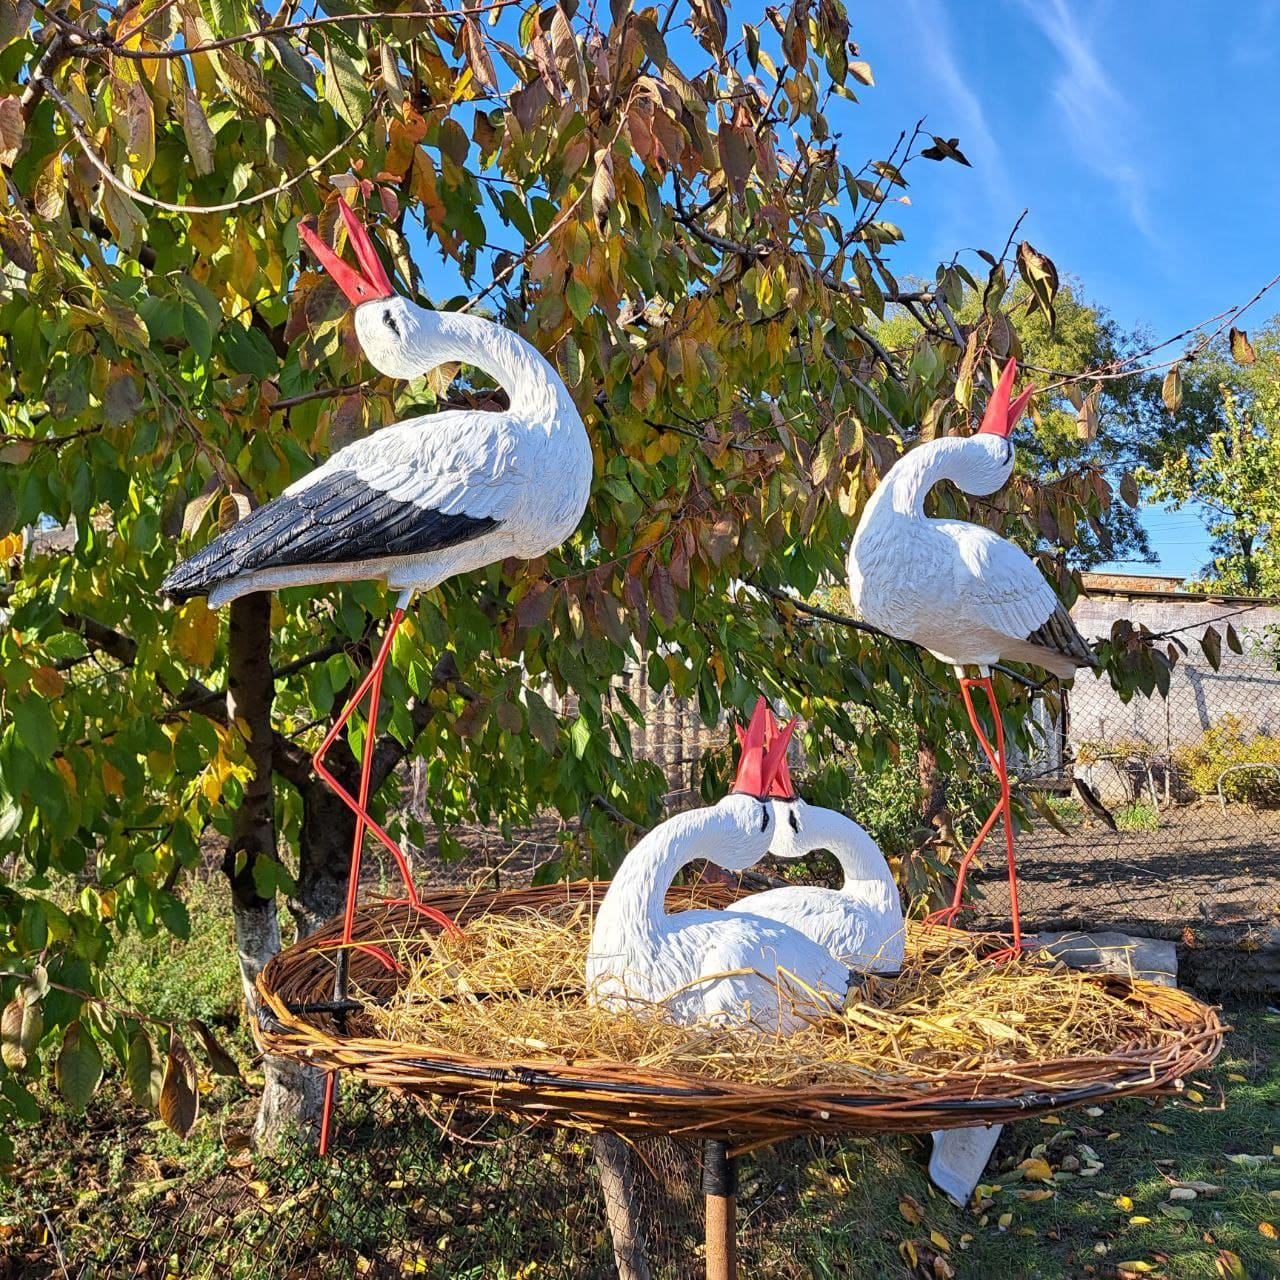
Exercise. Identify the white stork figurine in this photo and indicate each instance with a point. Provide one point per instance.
(860, 923)
(414, 503)
(964, 593)
(730, 968)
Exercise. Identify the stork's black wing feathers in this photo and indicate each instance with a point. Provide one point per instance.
(1058, 632)
(335, 520)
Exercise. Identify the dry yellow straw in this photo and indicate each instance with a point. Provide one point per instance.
(511, 987)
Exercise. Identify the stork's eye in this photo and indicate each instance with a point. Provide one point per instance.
(390, 321)
(764, 817)
(795, 822)
(1008, 453)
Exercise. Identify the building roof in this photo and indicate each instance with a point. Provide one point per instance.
(1153, 586)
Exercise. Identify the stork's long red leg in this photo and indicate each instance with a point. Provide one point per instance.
(1003, 808)
(372, 685)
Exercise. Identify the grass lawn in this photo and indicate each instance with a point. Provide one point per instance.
(1188, 1188)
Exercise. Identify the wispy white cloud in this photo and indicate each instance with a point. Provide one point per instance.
(966, 116)
(1097, 117)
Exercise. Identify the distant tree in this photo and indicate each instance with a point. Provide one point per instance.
(1229, 469)
(668, 218)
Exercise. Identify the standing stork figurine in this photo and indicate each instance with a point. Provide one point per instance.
(412, 504)
(967, 595)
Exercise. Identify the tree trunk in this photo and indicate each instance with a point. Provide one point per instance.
(292, 1093)
(933, 785)
(618, 1172)
(324, 846)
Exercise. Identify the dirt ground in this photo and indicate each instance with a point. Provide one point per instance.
(1200, 868)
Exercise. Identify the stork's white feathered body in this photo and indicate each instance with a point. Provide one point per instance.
(726, 967)
(426, 498)
(959, 590)
(699, 966)
(860, 923)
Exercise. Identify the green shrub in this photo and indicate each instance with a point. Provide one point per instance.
(1229, 743)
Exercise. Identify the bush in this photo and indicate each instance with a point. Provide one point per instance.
(1229, 743)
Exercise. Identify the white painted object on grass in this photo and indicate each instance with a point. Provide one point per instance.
(701, 966)
(424, 499)
(959, 1157)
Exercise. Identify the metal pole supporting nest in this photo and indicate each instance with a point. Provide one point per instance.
(720, 1186)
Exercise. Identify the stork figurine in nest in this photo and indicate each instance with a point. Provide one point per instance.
(414, 503)
(962, 592)
(730, 968)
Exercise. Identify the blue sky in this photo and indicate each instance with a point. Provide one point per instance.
(1141, 140)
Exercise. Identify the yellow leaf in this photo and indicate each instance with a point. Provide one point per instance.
(911, 1211)
(1036, 1169)
(112, 779)
(259, 1189)
(1158, 1127)
(1138, 1220)
(1124, 1202)
(1004, 1221)
(195, 633)
(1236, 1078)
(1195, 1095)
(64, 768)
(1268, 1230)
(908, 1252)
(1138, 1268)
(1034, 1197)
(940, 1241)
(1229, 1266)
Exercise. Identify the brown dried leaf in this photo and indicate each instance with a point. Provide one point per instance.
(1242, 351)
(12, 130)
(179, 1093)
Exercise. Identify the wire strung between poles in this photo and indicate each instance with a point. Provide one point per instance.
(1003, 808)
(372, 685)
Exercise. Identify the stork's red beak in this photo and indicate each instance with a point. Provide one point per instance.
(1001, 417)
(762, 767)
(370, 282)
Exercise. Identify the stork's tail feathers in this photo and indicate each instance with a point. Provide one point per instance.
(1058, 634)
(201, 573)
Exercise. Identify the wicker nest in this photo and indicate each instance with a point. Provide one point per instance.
(300, 1020)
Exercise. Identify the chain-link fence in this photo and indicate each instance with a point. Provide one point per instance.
(1161, 813)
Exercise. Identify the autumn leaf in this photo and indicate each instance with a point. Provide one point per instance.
(179, 1090)
(1242, 351)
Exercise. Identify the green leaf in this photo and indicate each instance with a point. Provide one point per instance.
(35, 728)
(143, 1070)
(578, 296)
(264, 876)
(78, 1070)
(344, 86)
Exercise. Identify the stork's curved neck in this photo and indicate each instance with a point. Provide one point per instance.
(857, 853)
(909, 480)
(533, 387)
(635, 905)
